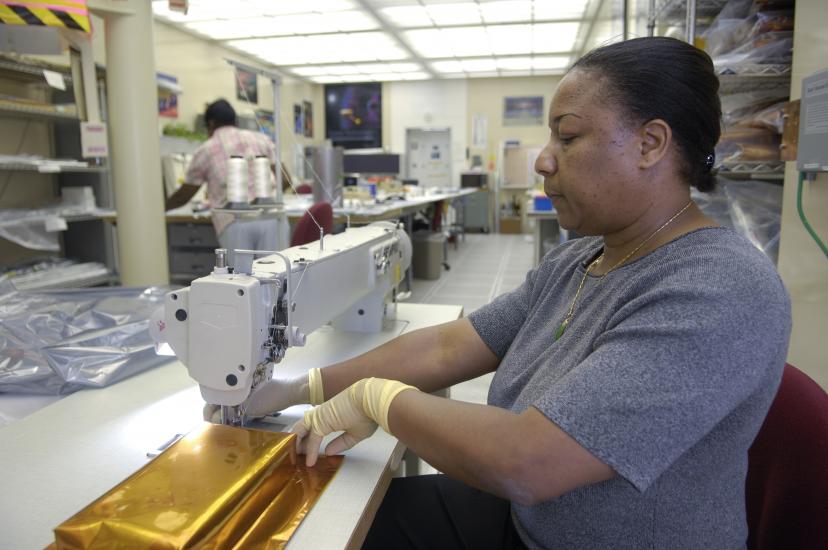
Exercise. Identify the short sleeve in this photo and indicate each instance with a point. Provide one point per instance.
(672, 363)
(197, 170)
(499, 321)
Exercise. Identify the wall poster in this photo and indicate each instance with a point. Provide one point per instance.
(246, 88)
(307, 109)
(523, 111)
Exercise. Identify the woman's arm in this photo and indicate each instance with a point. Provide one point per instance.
(432, 358)
(524, 458)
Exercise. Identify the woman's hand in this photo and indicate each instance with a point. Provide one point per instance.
(276, 395)
(357, 411)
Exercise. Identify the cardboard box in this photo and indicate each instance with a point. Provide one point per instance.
(511, 225)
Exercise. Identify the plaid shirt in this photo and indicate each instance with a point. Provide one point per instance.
(209, 164)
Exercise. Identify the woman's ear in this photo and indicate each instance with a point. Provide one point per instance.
(656, 138)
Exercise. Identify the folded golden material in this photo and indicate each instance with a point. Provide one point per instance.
(219, 487)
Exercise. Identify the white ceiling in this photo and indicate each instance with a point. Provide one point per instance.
(380, 40)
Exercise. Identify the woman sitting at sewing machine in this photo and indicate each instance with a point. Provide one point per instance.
(633, 367)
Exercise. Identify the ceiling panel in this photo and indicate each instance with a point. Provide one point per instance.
(348, 40)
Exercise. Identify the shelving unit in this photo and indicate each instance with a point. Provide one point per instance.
(733, 79)
(51, 118)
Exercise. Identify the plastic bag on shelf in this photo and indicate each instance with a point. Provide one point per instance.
(58, 342)
(746, 144)
(752, 208)
(724, 35)
(771, 118)
(737, 107)
(769, 48)
(33, 229)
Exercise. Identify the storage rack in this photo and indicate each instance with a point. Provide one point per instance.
(738, 78)
(88, 238)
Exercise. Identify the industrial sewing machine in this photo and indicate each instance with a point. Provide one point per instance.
(230, 328)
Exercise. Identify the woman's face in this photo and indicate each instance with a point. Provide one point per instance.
(590, 166)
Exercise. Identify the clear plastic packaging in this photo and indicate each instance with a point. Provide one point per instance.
(752, 208)
(745, 144)
(58, 342)
(767, 48)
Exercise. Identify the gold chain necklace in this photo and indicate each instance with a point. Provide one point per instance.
(563, 326)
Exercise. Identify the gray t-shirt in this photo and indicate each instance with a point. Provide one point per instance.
(665, 373)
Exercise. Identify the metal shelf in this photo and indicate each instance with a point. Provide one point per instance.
(25, 111)
(48, 169)
(33, 70)
(756, 170)
(674, 10)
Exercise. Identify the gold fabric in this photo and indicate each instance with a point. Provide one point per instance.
(219, 487)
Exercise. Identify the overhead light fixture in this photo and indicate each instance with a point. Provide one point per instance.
(510, 39)
(323, 48)
(447, 66)
(544, 10)
(407, 16)
(478, 65)
(550, 62)
(514, 63)
(464, 13)
(554, 37)
(506, 11)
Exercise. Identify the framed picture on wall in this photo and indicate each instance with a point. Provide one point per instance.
(246, 86)
(298, 120)
(307, 108)
(523, 111)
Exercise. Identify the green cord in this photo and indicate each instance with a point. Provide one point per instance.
(804, 219)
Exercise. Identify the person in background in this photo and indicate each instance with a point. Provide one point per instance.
(209, 165)
(632, 368)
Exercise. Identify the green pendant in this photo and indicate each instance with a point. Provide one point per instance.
(561, 329)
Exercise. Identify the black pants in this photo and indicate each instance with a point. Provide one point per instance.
(435, 511)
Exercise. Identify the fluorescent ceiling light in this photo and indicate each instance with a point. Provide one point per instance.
(506, 11)
(326, 48)
(428, 43)
(405, 67)
(465, 13)
(407, 16)
(554, 37)
(235, 28)
(287, 7)
(510, 39)
(484, 75)
(384, 76)
(370, 68)
(478, 65)
(447, 66)
(549, 10)
(454, 75)
(310, 71)
(415, 76)
(514, 63)
(342, 69)
(550, 62)
(516, 73)
(325, 79)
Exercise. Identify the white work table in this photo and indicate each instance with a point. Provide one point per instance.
(295, 206)
(60, 458)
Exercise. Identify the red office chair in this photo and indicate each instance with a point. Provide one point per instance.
(304, 189)
(306, 231)
(787, 479)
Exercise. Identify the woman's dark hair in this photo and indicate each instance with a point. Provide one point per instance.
(221, 113)
(668, 79)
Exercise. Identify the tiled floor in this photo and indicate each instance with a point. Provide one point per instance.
(482, 267)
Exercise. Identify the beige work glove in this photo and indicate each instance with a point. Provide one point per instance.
(357, 410)
(277, 395)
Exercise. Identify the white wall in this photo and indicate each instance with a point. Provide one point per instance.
(426, 104)
(205, 76)
(801, 263)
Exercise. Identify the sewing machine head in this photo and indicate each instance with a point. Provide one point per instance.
(229, 329)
